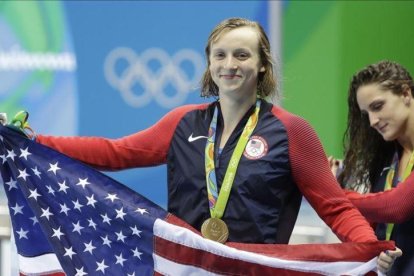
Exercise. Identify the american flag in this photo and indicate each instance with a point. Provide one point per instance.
(70, 219)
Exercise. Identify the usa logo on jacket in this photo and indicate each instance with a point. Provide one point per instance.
(256, 148)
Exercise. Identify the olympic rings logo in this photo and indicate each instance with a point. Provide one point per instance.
(153, 84)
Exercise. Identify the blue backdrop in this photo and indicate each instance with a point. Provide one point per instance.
(123, 50)
(131, 63)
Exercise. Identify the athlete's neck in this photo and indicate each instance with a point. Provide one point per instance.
(232, 112)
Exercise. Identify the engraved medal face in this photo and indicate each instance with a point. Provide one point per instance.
(215, 229)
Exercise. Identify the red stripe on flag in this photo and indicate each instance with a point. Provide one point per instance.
(214, 263)
(360, 252)
(179, 222)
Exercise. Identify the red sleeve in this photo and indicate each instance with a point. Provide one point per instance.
(145, 148)
(312, 174)
(392, 206)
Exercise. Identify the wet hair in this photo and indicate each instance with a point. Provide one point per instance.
(266, 85)
(366, 152)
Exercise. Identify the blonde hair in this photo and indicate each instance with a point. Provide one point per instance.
(266, 85)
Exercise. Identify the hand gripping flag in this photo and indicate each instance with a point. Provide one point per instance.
(70, 219)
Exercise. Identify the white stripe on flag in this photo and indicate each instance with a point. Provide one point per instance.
(42, 264)
(183, 236)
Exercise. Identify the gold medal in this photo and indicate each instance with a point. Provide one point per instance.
(215, 229)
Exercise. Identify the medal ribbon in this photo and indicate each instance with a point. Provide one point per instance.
(218, 201)
(391, 181)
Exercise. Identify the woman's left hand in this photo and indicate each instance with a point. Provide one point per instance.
(386, 259)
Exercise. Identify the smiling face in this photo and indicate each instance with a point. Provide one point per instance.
(388, 112)
(235, 62)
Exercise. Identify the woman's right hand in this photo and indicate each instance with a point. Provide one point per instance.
(19, 123)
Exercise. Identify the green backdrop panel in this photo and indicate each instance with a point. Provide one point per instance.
(325, 43)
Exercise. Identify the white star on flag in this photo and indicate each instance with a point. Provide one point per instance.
(77, 205)
(11, 183)
(36, 172)
(22, 233)
(77, 227)
(141, 211)
(50, 190)
(46, 213)
(34, 194)
(24, 153)
(92, 224)
(91, 201)
(83, 182)
(17, 209)
(120, 260)
(120, 213)
(101, 266)
(57, 233)
(23, 174)
(106, 219)
(135, 231)
(11, 154)
(64, 209)
(137, 253)
(80, 272)
(53, 167)
(69, 252)
(111, 197)
(89, 247)
(63, 187)
(106, 241)
(4, 158)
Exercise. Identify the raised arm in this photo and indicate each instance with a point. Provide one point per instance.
(144, 148)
